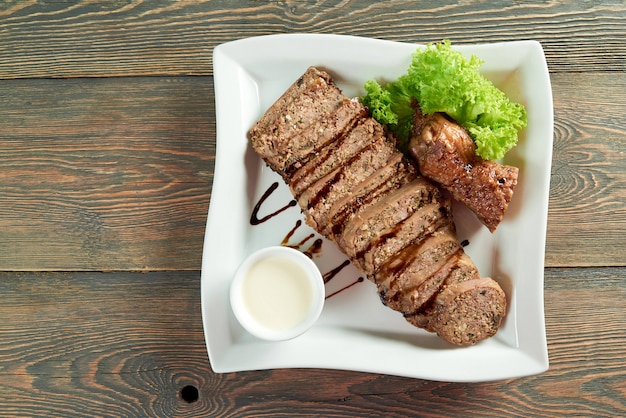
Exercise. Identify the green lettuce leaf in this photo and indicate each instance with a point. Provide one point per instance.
(443, 80)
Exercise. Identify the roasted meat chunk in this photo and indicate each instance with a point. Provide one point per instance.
(355, 188)
(445, 154)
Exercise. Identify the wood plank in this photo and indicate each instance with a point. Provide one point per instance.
(126, 344)
(105, 174)
(587, 214)
(115, 174)
(105, 38)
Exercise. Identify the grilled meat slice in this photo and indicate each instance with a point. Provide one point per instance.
(463, 270)
(413, 276)
(445, 154)
(355, 188)
(306, 144)
(467, 309)
(270, 124)
(423, 222)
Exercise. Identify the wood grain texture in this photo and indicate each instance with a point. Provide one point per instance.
(587, 214)
(116, 174)
(107, 149)
(106, 175)
(125, 344)
(124, 38)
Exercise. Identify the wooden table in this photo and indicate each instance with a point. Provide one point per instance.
(107, 147)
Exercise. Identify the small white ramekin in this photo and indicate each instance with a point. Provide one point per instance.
(310, 272)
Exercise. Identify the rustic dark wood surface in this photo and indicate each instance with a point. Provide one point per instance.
(107, 146)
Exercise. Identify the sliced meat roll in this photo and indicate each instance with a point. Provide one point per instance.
(383, 221)
(355, 188)
(398, 172)
(318, 200)
(466, 312)
(309, 115)
(412, 277)
(335, 155)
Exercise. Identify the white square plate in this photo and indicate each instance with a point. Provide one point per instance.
(355, 331)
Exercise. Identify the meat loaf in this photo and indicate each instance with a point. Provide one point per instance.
(398, 172)
(380, 220)
(423, 222)
(335, 154)
(317, 200)
(409, 279)
(466, 312)
(355, 188)
(281, 134)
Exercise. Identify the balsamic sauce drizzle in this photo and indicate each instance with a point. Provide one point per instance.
(313, 249)
(285, 241)
(359, 280)
(329, 276)
(254, 219)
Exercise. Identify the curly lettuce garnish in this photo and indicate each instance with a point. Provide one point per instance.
(443, 80)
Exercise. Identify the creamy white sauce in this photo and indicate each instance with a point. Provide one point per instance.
(277, 293)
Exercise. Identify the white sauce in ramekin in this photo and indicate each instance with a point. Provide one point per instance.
(277, 293)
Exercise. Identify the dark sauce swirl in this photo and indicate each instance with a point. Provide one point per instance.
(329, 275)
(359, 280)
(297, 246)
(254, 218)
(314, 249)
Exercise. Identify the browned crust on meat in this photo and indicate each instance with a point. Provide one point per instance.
(272, 115)
(463, 270)
(445, 154)
(382, 217)
(317, 201)
(421, 223)
(274, 136)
